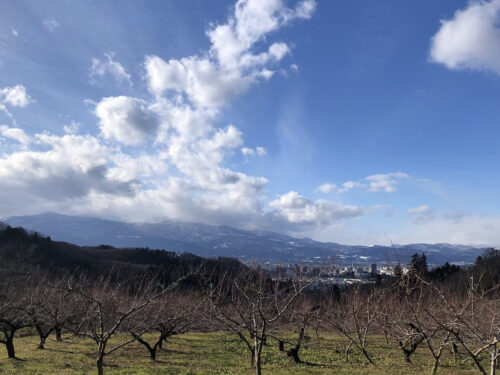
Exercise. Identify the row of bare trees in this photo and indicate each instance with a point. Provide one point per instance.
(97, 309)
(410, 313)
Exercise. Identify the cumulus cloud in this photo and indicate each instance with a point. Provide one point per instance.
(69, 168)
(16, 134)
(50, 24)
(101, 68)
(385, 182)
(230, 66)
(470, 39)
(251, 21)
(327, 187)
(298, 209)
(126, 120)
(199, 78)
(184, 173)
(15, 96)
(305, 9)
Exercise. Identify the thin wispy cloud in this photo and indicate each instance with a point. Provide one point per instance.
(108, 66)
(50, 24)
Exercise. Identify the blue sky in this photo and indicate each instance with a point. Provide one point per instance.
(346, 121)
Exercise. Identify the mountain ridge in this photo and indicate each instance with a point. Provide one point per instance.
(222, 240)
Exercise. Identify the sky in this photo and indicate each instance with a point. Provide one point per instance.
(358, 122)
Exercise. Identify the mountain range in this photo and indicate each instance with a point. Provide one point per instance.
(214, 241)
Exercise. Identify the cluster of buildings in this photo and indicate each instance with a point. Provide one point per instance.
(327, 274)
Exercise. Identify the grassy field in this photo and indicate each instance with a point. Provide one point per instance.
(214, 353)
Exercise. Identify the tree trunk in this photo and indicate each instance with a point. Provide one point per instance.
(494, 359)
(257, 359)
(41, 345)
(151, 349)
(58, 333)
(435, 366)
(454, 350)
(152, 353)
(99, 363)
(413, 346)
(281, 346)
(101, 352)
(9, 344)
(367, 356)
(294, 353)
(407, 354)
(257, 356)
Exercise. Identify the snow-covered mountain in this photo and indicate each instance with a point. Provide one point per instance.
(209, 241)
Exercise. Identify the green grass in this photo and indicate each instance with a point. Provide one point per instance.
(215, 353)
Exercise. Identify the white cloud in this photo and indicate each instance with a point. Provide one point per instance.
(294, 67)
(184, 174)
(101, 68)
(247, 151)
(297, 209)
(69, 168)
(15, 96)
(261, 151)
(470, 39)
(199, 78)
(72, 128)
(127, 120)
(230, 66)
(15, 133)
(385, 182)
(305, 9)
(278, 50)
(329, 187)
(14, 32)
(252, 20)
(51, 24)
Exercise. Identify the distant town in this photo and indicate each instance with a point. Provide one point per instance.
(327, 274)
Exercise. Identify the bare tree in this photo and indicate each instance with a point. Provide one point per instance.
(473, 318)
(108, 306)
(353, 317)
(47, 306)
(176, 313)
(422, 309)
(250, 304)
(395, 320)
(301, 315)
(13, 307)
